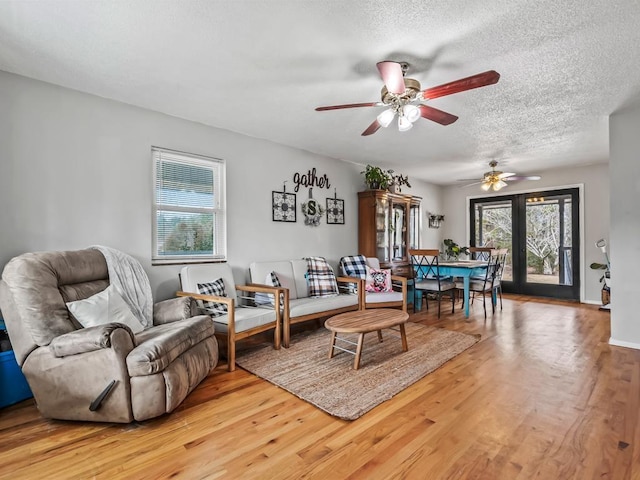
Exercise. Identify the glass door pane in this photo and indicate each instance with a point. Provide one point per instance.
(382, 230)
(493, 228)
(549, 240)
(399, 231)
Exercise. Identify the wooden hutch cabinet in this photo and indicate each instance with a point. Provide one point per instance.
(388, 226)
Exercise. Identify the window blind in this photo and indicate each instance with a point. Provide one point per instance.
(189, 209)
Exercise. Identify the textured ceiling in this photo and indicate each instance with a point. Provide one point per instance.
(260, 68)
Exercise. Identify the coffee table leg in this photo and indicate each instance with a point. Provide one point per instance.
(333, 342)
(356, 362)
(380, 336)
(403, 335)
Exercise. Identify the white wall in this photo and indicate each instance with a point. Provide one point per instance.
(624, 144)
(594, 178)
(75, 170)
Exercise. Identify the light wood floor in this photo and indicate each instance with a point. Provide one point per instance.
(542, 395)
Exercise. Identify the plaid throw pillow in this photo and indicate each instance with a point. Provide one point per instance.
(265, 298)
(216, 288)
(354, 266)
(320, 278)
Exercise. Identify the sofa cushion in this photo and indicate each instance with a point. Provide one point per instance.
(284, 271)
(381, 297)
(308, 306)
(245, 318)
(373, 262)
(192, 275)
(299, 269)
(105, 307)
(160, 345)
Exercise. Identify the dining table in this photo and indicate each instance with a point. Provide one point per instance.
(466, 269)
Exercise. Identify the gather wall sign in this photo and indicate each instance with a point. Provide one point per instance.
(284, 203)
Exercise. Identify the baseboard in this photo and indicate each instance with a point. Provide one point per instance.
(620, 343)
(592, 302)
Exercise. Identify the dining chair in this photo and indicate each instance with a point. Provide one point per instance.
(480, 253)
(427, 277)
(501, 255)
(476, 253)
(486, 284)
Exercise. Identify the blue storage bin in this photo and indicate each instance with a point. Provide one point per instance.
(13, 385)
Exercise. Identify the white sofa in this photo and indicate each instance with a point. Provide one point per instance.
(298, 306)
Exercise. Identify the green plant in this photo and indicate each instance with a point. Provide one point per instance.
(453, 250)
(600, 266)
(399, 179)
(376, 178)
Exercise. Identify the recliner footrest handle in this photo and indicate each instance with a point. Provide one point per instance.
(97, 403)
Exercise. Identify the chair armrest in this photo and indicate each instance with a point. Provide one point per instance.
(229, 302)
(359, 288)
(356, 280)
(399, 279)
(280, 293)
(260, 288)
(172, 310)
(88, 339)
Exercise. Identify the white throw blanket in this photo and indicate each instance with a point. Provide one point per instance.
(127, 275)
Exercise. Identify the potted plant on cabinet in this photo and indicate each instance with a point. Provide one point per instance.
(376, 178)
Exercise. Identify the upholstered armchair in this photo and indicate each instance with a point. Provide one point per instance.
(104, 372)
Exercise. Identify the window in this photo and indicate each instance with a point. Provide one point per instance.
(189, 216)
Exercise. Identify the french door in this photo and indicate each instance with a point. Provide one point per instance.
(541, 231)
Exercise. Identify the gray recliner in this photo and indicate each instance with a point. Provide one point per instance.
(68, 367)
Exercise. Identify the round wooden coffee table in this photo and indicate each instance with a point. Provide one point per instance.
(365, 321)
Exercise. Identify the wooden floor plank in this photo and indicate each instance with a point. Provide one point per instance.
(542, 395)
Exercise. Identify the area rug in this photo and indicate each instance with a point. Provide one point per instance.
(332, 385)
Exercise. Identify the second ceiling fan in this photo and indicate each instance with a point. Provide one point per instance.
(496, 180)
(403, 97)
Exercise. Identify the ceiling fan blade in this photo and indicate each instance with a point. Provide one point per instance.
(373, 128)
(522, 177)
(391, 73)
(349, 105)
(435, 115)
(468, 83)
(504, 175)
(470, 184)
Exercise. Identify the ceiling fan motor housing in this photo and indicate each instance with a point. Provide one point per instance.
(412, 87)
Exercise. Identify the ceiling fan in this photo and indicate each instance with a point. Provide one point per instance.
(495, 179)
(403, 97)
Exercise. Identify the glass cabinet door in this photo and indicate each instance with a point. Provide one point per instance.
(382, 230)
(415, 226)
(398, 232)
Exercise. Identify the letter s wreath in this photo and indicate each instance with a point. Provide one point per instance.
(312, 211)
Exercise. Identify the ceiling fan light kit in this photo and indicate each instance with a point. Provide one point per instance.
(386, 117)
(403, 97)
(496, 180)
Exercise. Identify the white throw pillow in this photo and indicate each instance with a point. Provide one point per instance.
(272, 280)
(107, 306)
